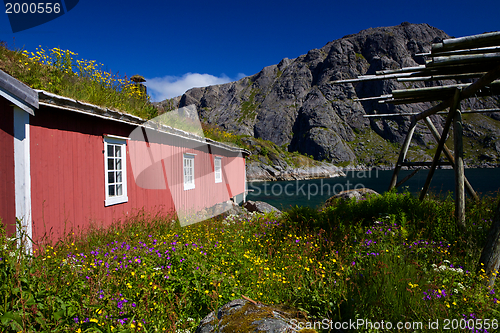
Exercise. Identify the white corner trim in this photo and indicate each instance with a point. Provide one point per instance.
(22, 172)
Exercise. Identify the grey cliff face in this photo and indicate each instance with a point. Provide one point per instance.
(293, 104)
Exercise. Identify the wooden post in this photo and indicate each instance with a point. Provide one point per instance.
(489, 263)
(402, 154)
(448, 155)
(449, 119)
(459, 169)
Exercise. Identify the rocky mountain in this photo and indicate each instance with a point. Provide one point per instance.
(295, 105)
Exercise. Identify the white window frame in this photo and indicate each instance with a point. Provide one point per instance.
(114, 174)
(188, 171)
(218, 169)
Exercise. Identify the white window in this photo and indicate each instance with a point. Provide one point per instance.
(115, 166)
(188, 161)
(218, 169)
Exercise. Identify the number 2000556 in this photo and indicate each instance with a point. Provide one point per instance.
(32, 8)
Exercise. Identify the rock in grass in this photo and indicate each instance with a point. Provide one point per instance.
(241, 315)
(260, 207)
(357, 194)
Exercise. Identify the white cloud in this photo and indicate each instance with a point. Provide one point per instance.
(161, 88)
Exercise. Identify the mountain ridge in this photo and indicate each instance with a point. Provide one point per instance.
(294, 105)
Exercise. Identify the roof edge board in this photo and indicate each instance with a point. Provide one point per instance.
(18, 93)
(65, 103)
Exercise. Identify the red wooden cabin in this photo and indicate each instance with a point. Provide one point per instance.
(65, 165)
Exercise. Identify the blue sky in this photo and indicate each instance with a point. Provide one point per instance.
(177, 45)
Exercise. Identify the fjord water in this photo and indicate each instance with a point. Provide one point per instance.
(313, 193)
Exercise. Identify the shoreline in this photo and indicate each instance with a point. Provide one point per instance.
(268, 173)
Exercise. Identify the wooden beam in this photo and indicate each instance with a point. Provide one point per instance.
(401, 70)
(409, 114)
(479, 50)
(408, 177)
(370, 78)
(449, 155)
(463, 59)
(417, 92)
(374, 98)
(449, 119)
(423, 164)
(400, 101)
(482, 40)
(441, 77)
(402, 154)
(459, 169)
(385, 115)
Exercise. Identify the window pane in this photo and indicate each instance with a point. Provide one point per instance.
(110, 150)
(118, 151)
(119, 177)
(111, 164)
(111, 177)
(119, 189)
(111, 190)
(118, 164)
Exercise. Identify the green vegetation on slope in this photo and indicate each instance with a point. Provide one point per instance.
(60, 72)
(263, 151)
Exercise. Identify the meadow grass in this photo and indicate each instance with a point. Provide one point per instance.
(391, 258)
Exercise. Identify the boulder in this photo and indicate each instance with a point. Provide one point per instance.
(227, 208)
(241, 315)
(260, 207)
(357, 194)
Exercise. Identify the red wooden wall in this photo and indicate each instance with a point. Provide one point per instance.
(7, 189)
(67, 173)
